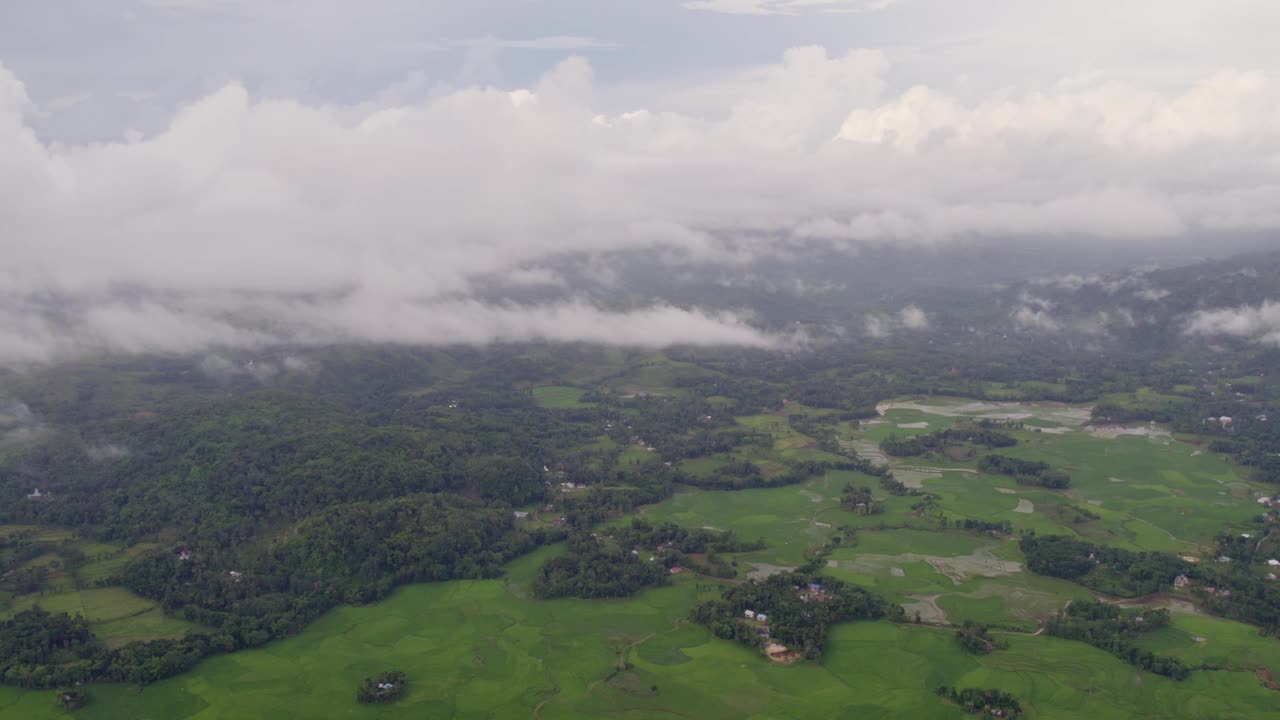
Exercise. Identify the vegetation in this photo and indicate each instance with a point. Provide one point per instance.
(1025, 472)
(383, 688)
(800, 610)
(294, 511)
(1114, 571)
(40, 649)
(976, 639)
(73, 698)
(943, 439)
(596, 569)
(858, 500)
(1113, 629)
(985, 702)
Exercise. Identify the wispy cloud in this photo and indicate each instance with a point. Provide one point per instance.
(788, 7)
(1259, 323)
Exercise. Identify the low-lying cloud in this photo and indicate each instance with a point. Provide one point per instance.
(1259, 323)
(254, 221)
(1035, 319)
(911, 317)
(195, 323)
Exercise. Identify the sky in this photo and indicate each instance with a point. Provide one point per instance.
(182, 175)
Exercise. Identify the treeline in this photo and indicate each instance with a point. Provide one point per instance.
(1003, 527)
(983, 701)
(943, 439)
(744, 475)
(1238, 589)
(797, 618)
(1114, 571)
(1113, 629)
(896, 487)
(1025, 472)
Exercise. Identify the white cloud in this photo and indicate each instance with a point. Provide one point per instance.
(913, 318)
(788, 7)
(878, 326)
(1225, 107)
(1260, 323)
(546, 42)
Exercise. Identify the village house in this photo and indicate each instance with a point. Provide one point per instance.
(521, 515)
(34, 494)
(1273, 562)
(749, 614)
(1181, 581)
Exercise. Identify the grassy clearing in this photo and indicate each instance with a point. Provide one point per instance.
(559, 397)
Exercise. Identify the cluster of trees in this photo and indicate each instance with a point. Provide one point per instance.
(383, 688)
(1239, 589)
(1025, 472)
(1073, 514)
(743, 475)
(858, 499)
(983, 701)
(943, 439)
(596, 568)
(896, 487)
(643, 534)
(976, 639)
(797, 618)
(41, 649)
(1114, 629)
(1003, 527)
(350, 554)
(1242, 588)
(1114, 571)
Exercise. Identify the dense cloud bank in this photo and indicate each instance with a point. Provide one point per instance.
(251, 221)
(1259, 323)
